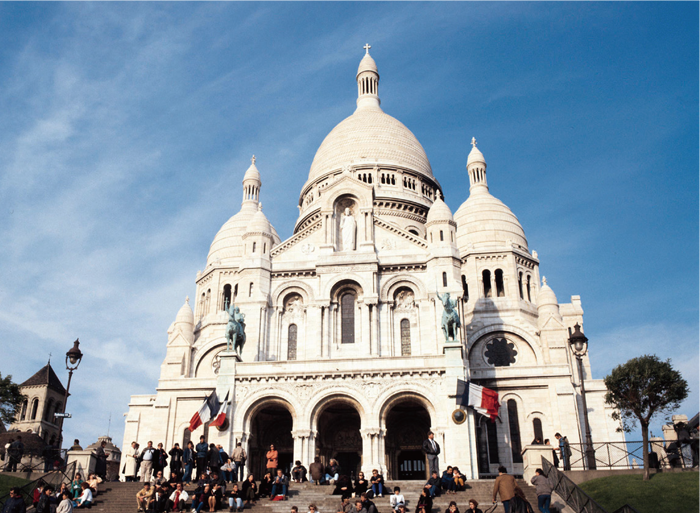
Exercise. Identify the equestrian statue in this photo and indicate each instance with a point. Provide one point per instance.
(450, 317)
(235, 329)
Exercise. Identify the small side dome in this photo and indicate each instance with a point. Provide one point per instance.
(185, 314)
(439, 212)
(484, 221)
(259, 223)
(547, 304)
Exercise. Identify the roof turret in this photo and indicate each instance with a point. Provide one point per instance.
(185, 314)
(439, 212)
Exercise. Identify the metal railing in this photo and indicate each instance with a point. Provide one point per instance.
(624, 455)
(573, 495)
(54, 478)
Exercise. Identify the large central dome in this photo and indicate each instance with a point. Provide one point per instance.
(370, 135)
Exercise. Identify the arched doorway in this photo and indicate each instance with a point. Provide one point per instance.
(338, 425)
(407, 424)
(271, 425)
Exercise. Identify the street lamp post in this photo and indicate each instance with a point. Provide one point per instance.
(579, 346)
(73, 359)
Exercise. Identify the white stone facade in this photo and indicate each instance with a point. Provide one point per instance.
(345, 356)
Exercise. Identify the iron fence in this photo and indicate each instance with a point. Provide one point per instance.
(574, 496)
(55, 478)
(626, 455)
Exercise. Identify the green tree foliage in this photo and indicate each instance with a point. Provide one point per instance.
(642, 388)
(10, 400)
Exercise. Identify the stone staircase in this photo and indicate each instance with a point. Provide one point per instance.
(117, 497)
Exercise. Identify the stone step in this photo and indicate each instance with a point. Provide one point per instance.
(118, 497)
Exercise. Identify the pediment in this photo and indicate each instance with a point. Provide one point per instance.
(552, 323)
(389, 236)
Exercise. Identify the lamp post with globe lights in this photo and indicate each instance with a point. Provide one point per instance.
(579, 346)
(73, 358)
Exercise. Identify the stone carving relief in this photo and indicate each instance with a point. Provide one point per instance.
(294, 306)
(388, 244)
(405, 300)
(308, 248)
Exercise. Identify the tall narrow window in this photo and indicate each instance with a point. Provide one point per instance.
(35, 407)
(465, 288)
(537, 428)
(515, 445)
(499, 283)
(520, 285)
(444, 279)
(486, 276)
(24, 411)
(405, 337)
(254, 247)
(492, 437)
(292, 342)
(264, 247)
(235, 292)
(442, 237)
(250, 290)
(207, 302)
(347, 313)
(47, 410)
(528, 289)
(227, 297)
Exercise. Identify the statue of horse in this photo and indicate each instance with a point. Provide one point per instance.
(235, 329)
(450, 317)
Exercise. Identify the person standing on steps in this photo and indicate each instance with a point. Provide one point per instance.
(146, 458)
(505, 487)
(239, 457)
(202, 449)
(544, 490)
(565, 450)
(432, 449)
(272, 457)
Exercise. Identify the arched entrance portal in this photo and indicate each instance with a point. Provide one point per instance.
(339, 437)
(407, 425)
(271, 425)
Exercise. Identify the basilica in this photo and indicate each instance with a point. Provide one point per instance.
(347, 351)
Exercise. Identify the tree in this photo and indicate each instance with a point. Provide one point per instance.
(10, 400)
(642, 388)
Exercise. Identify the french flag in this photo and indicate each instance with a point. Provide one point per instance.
(220, 417)
(208, 410)
(483, 400)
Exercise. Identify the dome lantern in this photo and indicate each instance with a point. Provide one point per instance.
(251, 184)
(367, 82)
(476, 167)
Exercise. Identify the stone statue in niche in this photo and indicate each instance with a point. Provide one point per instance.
(348, 226)
(235, 329)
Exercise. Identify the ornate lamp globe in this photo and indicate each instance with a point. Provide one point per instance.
(74, 356)
(578, 341)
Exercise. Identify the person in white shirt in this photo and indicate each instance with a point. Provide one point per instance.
(85, 499)
(397, 499)
(177, 499)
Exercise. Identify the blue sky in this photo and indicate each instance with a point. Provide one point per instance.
(125, 130)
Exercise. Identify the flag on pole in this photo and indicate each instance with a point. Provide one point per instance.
(483, 400)
(206, 412)
(220, 417)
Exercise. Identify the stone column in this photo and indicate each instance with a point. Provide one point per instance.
(301, 446)
(370, 450)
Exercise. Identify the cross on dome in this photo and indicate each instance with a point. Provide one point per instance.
(367, 47)
(252, 160)
(474, 142)
(187, 299)
(544, 281)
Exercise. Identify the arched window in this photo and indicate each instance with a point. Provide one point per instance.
(35, 407)
(499, 283)
(515, 445)
(202, 303)
(442, 237)
(537, 428)
(250, 290)
(47, 410)
(227, 297)
(264, 248)
(347, 313)
(23, 415)
(492, 437)
(292, 342)
(405, 337)
(465, 288)
(520, 285)
(207, 302)
(186, 437)
(486, 276)
(528, 288)
(253, 247)
(235, 292)
(444, 279)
